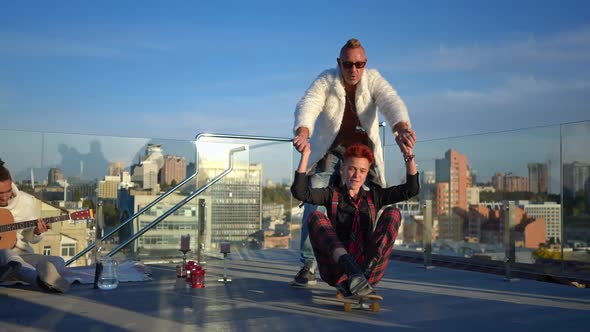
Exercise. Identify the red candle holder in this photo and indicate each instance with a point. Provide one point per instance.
(198, 277)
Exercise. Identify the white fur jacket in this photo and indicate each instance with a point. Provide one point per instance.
(322, 107)
(23, 208)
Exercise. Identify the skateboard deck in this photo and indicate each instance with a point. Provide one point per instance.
(367, 302)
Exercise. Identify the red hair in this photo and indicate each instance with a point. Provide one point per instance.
(359, 150)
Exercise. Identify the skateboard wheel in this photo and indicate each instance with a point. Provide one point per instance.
(375, 307)
(347, 307)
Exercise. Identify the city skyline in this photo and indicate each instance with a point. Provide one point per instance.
(220, 153)
(97, 150)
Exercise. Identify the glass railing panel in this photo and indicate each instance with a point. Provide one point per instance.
(576, 197)
(22, 155)
(174, 162)
(124, 174)
(483, 172)
(251, 206)
(410, 234)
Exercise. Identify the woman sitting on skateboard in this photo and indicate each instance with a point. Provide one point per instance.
(352, 250)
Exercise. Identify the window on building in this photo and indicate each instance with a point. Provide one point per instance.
(47, 250)
(68, 249)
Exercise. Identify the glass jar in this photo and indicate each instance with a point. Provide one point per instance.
(109, 275)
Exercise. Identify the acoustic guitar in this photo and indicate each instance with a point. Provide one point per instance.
(8, 227)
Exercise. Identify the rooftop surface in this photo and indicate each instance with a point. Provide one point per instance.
(260, 298)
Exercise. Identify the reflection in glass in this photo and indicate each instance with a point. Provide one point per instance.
(470, 180)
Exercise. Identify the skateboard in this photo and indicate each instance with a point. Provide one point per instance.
(369, 302)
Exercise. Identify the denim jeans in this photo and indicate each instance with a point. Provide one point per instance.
(326, 172)
(28, 271)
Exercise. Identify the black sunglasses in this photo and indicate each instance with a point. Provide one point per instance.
(349, 64)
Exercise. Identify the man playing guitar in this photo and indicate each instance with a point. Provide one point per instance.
(20, 263)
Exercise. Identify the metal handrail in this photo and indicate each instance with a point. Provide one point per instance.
(181, 203)
(259, 138)
(130, 219)
(178, 186)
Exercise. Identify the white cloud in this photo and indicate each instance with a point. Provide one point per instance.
(518, 102)
(514, 89)
(573, 45)
(257, 115)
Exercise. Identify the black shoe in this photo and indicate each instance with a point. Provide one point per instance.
(304, 278)
(357, 282)
(8, 270)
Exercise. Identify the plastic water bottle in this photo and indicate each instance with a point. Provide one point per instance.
(108, 278)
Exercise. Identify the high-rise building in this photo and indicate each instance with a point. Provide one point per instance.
(575, 176)
(538, 178)
(146, 172)
(163, 240)
(116, 168)
(108, 187)
(174, 169)
(454, 171)
(551, 213)
(510, 183)
(236, 201)
(498, 181)
(442, 197)
(513, 183)
(55, 176)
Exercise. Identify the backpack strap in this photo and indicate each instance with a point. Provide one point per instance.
(335, 195)
(371, 207)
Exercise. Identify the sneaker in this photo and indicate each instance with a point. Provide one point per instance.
(343, 290)
(7, 270)
(304, 278)
(365, 290)
(359, 285)
(49, 278)
(357, 281)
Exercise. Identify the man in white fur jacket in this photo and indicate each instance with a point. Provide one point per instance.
(339, 109)
(20, 263)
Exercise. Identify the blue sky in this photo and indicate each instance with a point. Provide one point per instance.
(152, 69)
(163, 70)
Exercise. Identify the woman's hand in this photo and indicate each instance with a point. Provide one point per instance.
(306, 149)
(301, 138)
(305, 152)
(406, 140)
